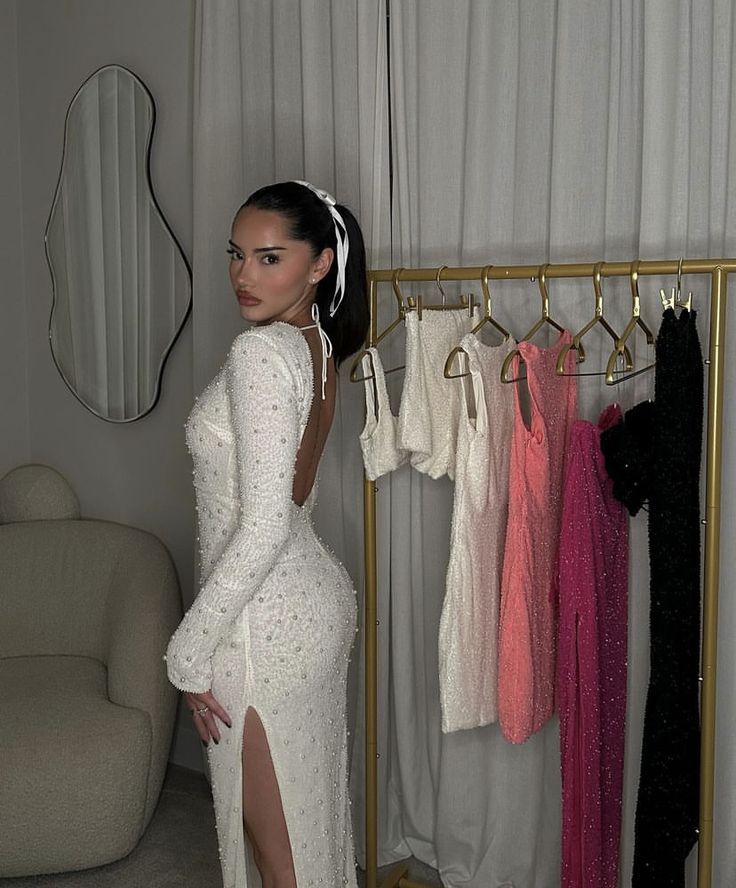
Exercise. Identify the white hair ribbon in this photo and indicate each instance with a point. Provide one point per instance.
(341, 240)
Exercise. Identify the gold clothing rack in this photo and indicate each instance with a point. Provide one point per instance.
(718, 269)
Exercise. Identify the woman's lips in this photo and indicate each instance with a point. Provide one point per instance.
(246, 299)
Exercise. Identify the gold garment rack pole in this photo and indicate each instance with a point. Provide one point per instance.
(718, 269)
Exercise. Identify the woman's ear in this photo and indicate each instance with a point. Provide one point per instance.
(322, 264)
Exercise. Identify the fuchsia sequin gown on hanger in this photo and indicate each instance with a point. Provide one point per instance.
(591, 664)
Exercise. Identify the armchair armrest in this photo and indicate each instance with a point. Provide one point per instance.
(144, 608)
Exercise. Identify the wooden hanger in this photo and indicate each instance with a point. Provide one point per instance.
(486, 319)
(598, 319)
(635, 322)
(544, 319)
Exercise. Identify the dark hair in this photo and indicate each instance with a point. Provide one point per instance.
(310, 220)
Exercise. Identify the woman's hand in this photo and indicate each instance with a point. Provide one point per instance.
(205, 712)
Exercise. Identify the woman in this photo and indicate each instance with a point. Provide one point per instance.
(262, 654)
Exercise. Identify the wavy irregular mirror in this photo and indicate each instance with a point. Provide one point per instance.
(122, 285)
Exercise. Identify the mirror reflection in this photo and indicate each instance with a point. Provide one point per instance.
(121, 283)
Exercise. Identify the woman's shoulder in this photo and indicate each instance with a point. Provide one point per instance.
(278, 345)
(278, 336)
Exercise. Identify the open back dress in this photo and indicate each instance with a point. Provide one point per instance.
(275, 619)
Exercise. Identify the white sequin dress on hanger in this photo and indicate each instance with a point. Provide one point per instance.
(378, 440)
(468, 635)
(274, 622)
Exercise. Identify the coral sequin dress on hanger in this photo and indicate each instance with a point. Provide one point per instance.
(528, 626)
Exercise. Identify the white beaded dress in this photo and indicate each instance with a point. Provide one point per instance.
(468, 635)
(275, 619)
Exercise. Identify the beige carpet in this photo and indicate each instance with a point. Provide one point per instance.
(178, 850)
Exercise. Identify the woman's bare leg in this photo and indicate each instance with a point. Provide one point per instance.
(263, 812)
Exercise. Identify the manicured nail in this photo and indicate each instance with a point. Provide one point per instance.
(204, 743)
(216, 741)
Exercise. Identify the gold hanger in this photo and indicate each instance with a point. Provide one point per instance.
(382, 335)
(417, 304)
(675, 300)
(486, 319)
(447, 372)
(635, 321)
(577, 345)
(488, 305)
(544, 319)
(683, 303)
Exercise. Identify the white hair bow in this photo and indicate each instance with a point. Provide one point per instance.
(341, 240)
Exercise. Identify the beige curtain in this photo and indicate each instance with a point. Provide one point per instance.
(521, 132)
(528, 132)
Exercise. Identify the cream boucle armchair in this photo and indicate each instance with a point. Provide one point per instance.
(87, 608)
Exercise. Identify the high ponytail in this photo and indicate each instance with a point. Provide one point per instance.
(310, 220)
(348, 327)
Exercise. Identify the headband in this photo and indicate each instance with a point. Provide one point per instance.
(341, 240)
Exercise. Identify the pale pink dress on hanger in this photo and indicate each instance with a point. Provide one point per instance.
(528, 625)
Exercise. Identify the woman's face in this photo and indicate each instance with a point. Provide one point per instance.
(274, 276)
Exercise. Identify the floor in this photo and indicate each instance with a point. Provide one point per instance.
(178, 850)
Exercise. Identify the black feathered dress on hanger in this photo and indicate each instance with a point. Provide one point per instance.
(655, 454)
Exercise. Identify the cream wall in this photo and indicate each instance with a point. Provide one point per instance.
(137, 473)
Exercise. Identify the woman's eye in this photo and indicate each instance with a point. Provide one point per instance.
(270, 258)
(235, 255)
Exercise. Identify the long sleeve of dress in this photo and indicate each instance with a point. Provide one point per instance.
(262, 396)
